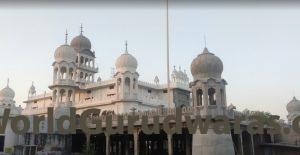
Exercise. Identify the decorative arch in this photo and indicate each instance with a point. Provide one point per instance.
(70, 93)
(63, 72)
(81, 60)
(212, 96)
(62, 93)
(71, 73)
(127, 84)
(199, 97)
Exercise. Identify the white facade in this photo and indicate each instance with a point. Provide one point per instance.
(9, 139)
(74, 85)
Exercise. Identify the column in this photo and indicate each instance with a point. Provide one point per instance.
(252, 145)
(68, 73)
(241, 141)
(88, 136)
(187, 145)
(54, 74)
(73, 96)
(58, 95)
(170, 147)
(272, 138)
(136, 142)
(205, 96)
(107, 145)
(59, 73)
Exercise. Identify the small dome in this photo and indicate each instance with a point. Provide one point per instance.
(206, 65)
(81, 43)
(7, 93)
(65, 53)
(126, 62)
(293, 105)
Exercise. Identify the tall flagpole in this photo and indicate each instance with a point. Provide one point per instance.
(168, 56)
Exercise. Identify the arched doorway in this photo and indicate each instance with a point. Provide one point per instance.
(182, 143)
(153, 144)
(78, 141)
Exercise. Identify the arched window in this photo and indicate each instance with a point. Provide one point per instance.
(81, 60)
(212, 96)
(62, 94)
(86, 61)
(86, 77)
(63, 72)
(127, 84)
(199, 94)
(134, 83)
(71, 73)
(70, 92)
(81, 75)
(54, 95)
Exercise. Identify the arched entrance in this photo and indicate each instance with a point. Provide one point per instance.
(98, 141)
(121, 144)
(182, 143)
(78, 141)
(154, 144)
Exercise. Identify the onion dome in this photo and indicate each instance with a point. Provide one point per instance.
(206, 65)
(293, 105)
(65, 53)
(81, 43)
(126, 62)
(7, 93)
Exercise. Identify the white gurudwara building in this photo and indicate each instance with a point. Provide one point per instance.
(75, 85)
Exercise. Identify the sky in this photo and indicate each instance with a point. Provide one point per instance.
(259, 46)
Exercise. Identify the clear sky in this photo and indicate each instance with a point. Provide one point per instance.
(259, 46)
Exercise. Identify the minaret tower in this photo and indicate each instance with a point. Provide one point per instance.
(208, 93)
(64, 67)
(85, 59)
(126, 76)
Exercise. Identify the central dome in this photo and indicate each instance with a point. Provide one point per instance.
(293, 105)
(126, 62)
(81, 43)
(206, 65)
(65, 53)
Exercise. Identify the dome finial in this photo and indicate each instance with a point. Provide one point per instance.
(7, 84)
(204, 41)
(66, 37)
(126, 46)
(81, 29)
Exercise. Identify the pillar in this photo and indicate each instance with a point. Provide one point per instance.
(88, 137)
(107, 145)
(242, 146)
(187, 145)
(170, 147)
(252, 145)
(205, 96)
(136, 142)
(272, 138)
